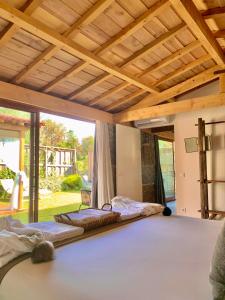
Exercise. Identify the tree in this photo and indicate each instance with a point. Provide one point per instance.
(71, 140)
(87, 144)
(52, 134)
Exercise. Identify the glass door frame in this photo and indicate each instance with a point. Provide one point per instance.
(34, 155)
(168, 199)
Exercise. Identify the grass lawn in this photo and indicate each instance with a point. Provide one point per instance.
(55, 203)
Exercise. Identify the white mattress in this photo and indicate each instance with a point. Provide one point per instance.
(158, 258)
(56, 232)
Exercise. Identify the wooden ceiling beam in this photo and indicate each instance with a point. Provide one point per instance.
(193, 18)
(87, 18)
(108, 93)
(41, 30)
(123, 100)
(131, 28)
(180, 88)
(171, 108)
(67, 74)
(220, 34)
(88, 85)
(45, 102)
(149, 47)
(121, 36)
(154, 44)
(10, 30)
(183, 69)
(213, 12)
(171, 58)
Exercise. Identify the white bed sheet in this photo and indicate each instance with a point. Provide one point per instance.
(158, 258)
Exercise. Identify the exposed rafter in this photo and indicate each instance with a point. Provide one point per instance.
(149, 47)
(130, 29)
(193, 18)
(120, 37)
(89, 85)
(184, 69)
(171, 58)
(108, 93)
(180, 88)
(87, 18)
(39, 29)
(219, 34)
(171, 108)
(213, 12)
(124, 100)
(155, 44)
(10, 30)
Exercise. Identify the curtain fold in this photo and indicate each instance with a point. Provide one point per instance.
(102, 184)
(159, 185)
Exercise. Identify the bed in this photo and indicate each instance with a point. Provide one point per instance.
(153, 258)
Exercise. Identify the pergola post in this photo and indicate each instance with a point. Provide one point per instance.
(21, 168)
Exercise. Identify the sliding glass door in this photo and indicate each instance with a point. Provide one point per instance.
(45, 164)
(65, 160)
(16, 183)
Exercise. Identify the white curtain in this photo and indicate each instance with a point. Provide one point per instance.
(105, 189)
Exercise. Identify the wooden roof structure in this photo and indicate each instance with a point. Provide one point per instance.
(117, 56)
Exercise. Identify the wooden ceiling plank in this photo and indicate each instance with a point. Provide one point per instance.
(149, 47)
(87, 18)
(171, 108)
(130, 29)
(154, 44)
(171, 58)
(89, 85)
(184, 69)
(108, 93)
(180, 88)
(10, 30)
(123, 100)
(41, 30)
(69, 73)
(123, 34)
(193, 18)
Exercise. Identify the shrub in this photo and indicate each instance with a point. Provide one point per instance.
(71, 183)
(51, 183)
(6, 173)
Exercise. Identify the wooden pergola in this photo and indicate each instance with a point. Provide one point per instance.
(111, 60)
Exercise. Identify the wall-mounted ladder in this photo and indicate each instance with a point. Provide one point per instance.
(206, 213)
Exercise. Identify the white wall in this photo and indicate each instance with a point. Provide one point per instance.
(128, 162)
(187, 164)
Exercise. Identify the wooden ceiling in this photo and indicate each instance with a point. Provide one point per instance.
(113, 55)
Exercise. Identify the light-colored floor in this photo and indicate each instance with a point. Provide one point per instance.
(172, 206)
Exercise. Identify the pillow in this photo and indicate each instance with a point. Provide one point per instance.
(217, 275)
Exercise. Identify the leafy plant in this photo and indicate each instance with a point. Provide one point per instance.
(6, 173)
(51, 183)
(71, 183)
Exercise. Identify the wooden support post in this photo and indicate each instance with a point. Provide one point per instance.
(222, 83)
(21, 168)
(203, 169)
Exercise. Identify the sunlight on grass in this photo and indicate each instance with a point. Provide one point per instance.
(51, 205)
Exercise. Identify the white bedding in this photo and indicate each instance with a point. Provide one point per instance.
(144, 208)
(54, 231)
(157, 258)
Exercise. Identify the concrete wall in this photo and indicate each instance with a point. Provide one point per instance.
(128, 162)
(187, 164)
